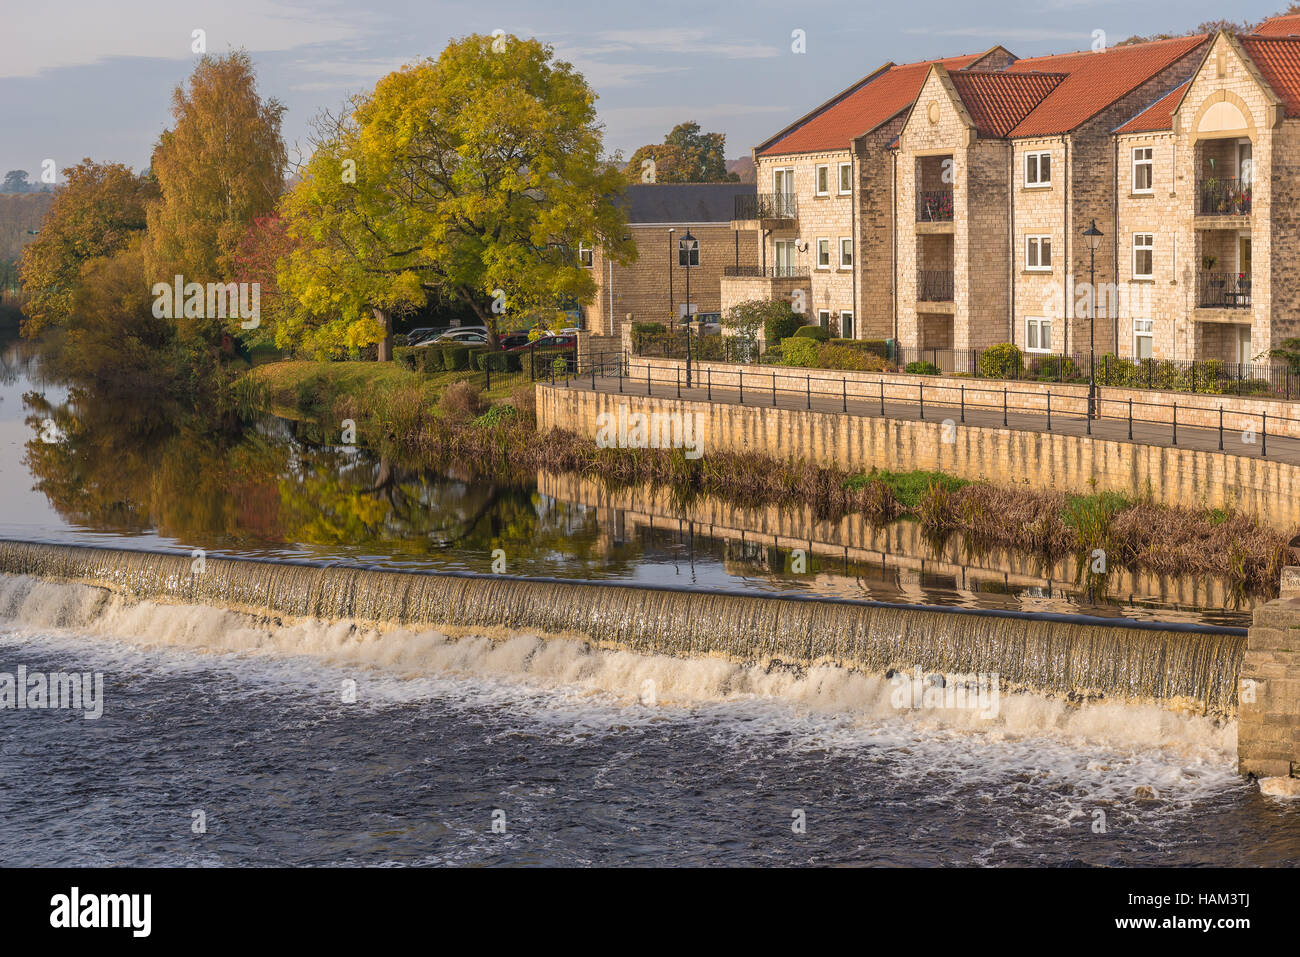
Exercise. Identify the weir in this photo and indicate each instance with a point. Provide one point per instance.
(1188, 668)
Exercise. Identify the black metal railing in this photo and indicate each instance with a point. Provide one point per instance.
(934, 285)
(766, 272)
(934, 206)
(912, 397)
(767, 206)
(1223, 290)
(1224, 196)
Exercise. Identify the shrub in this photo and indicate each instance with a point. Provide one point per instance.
(1002, 361)
(709, 347)
(781, 325)
(874, 346)
(649, 328)
(429, 359)
(799, 351)
(559, 366)
(1055, 369)
(455, 358)
(462, 400)
(498, 361)
(922, 368)
(405, 357)
(846, 357)
(816, 333)
(1206, 376)
(524, 398)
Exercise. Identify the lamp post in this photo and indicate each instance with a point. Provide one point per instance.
(1093, 235)
(688, 245)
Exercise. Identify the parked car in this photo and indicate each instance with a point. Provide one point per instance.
(469, 336)
(547, 342)
(509, 340)
(423, 333)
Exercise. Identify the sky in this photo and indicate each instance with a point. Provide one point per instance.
(85, 78)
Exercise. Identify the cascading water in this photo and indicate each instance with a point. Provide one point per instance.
(1192, 669)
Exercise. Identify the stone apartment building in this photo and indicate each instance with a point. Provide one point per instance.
(654, 287)
(944, 204)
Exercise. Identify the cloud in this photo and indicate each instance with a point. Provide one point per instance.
(687, 41)
(163, 29)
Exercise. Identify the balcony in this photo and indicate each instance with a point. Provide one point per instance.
(934, 285)
(788, 271)
(934, 206)
(1223, 290)
(767, 208)
(1223, 196)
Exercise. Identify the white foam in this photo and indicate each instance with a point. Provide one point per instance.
(1105, 750)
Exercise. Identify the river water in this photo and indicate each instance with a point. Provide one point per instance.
(231, 740)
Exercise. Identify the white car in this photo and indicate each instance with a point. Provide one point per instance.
(465, 336)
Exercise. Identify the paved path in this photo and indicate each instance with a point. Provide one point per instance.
(1114, 429)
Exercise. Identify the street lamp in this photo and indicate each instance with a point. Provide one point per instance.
(688, 244)
(1093, 235)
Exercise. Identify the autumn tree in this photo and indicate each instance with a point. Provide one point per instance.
(265, 244)
(218, 168)
(686, 155)
(94, 215)
(472, 178)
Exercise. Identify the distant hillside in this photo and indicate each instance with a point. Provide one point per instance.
(744, 168)
(20, 212)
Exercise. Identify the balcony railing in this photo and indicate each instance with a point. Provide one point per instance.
(934, 206)
(934, 285)
(1224, 196)
(765, 272)
(767, 206)
(1223, 290)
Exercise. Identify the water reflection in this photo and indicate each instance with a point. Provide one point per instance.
(125, 468)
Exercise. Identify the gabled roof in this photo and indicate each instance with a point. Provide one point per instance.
(1286, 25)
(1095, 81)
(683, 202)
(1159, 115)
(1278, 62)
(859, 109)
(998, 101)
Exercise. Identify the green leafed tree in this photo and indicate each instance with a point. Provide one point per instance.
(687, 155)
(472, 178)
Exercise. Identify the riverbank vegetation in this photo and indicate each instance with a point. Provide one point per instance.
(441, 422)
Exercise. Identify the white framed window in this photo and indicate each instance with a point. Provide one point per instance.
(1142, 338)
(846, 252)
(1143, 170)
(783, 181)
(846, 178)
(1038, 253)
(1038, 335)
(1144, 250)
(823, 180)
(846, 324)
(823, 254)
(824, 319)
(1038, 169)
(584, 255)
(688, 257)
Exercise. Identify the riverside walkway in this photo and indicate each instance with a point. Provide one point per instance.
(1152, 421)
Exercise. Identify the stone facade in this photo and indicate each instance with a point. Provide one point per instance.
(642, 289)
(1268, 710)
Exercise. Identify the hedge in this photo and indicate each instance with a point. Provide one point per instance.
(799, 351)
(498, 361)
(455, 358)
(816, 333)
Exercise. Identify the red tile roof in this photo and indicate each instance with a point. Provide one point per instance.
(997, 101)
(1279, 63)
(1286, 25)
(1159, 115)
(1095, 81)
(860, 109)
